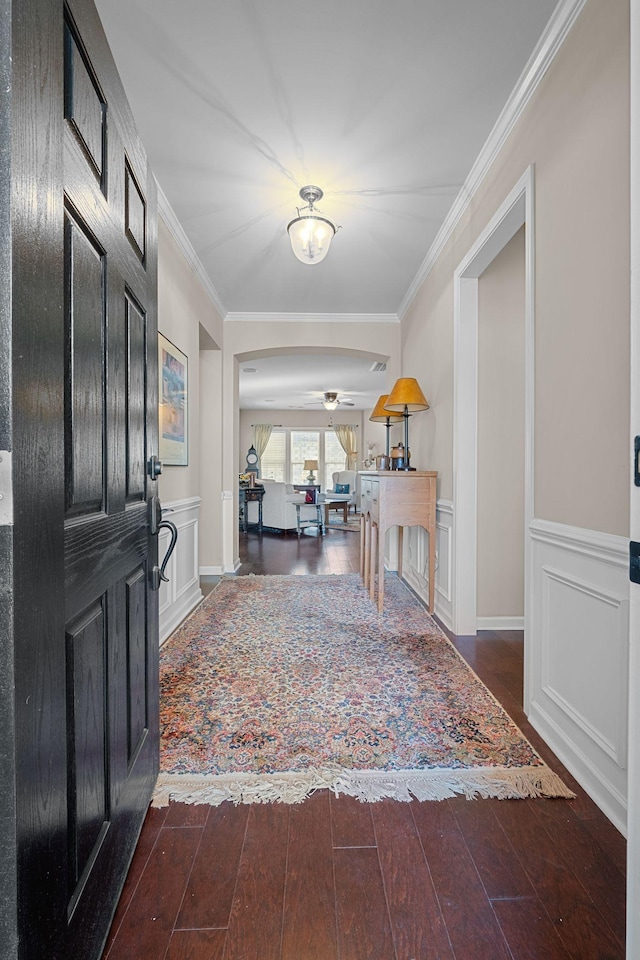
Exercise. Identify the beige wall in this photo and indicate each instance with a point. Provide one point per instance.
(501, 305)
(576, 132)
(186, 316)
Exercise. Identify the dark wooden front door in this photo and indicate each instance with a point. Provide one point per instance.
(84, 631)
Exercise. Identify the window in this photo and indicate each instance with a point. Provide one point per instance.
(305, 445)
(334, 458)
(288, 448)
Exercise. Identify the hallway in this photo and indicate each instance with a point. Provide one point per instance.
(333, 879)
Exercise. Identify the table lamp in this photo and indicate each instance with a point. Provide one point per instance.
(310, 465)
(406, 398)
(380, 415)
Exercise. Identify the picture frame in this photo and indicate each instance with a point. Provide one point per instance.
(173, 404)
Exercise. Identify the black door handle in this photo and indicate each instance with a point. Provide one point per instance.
(157, 574)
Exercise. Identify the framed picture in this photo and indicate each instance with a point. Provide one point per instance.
(173, 404)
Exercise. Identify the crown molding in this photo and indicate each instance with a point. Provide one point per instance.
(555, 33)
(312, 318)
(166, 211)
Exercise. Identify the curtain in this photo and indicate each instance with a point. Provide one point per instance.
(346, 434)
(261, 434)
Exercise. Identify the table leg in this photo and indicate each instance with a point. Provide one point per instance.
(381, 540)
(432, 566)
(298, 519)
(375, 533)
(367, 551)
(362, 545)
(400, 535)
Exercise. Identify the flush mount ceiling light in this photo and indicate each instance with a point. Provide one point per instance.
(310, 233)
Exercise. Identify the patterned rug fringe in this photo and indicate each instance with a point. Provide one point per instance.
(368, 786)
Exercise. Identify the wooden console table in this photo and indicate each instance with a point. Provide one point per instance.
(388, 498)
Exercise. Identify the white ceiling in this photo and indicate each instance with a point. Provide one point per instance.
(384, 105)
(299, 382)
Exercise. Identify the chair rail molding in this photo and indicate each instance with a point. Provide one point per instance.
(182, 593)
(579, 656)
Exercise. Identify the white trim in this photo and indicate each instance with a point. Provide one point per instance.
(605, 547)
(312, 318)
(176, 602)
(610, 800)
(615, 748)
(633, 848)
(548, 46)
(516, 210)
(175, 228)
(500, 623)
(181, 506)
(211, 571)
(579, 641)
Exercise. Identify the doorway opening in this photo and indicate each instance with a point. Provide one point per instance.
(516, 211)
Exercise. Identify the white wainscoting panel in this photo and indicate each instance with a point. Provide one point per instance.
(415, 561)
(182, 593)
(578, 651)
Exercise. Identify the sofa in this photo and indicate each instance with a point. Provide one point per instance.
(279, 507)
(344, 477)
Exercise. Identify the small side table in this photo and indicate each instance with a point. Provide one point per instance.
(313, 523)
(248, 495)
(336, 505)
(306, 487)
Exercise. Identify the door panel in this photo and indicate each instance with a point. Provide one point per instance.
(136, 394)
(108, 550)
(85, 362)
(84, 396)
(88, 804)
(84, 105)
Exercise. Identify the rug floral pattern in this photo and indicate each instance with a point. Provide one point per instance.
(285, 674)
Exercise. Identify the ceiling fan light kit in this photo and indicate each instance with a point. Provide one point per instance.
(310, 233)
(331, 400)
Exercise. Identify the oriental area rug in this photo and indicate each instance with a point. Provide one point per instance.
(278, 686)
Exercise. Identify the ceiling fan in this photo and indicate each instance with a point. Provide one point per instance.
(331, 400)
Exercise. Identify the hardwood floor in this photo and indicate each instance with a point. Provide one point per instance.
(334, 879)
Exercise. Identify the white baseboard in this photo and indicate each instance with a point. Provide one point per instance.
(211, 571)
(612, 803)
(500, 623)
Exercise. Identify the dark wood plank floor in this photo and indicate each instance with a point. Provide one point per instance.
(334, 879)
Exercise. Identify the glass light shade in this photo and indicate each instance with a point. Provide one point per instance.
(330, 404)
(406, 395)
(311, 238)
(380, 414)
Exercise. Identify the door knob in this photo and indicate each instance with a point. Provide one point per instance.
(154, 467)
